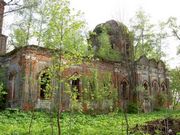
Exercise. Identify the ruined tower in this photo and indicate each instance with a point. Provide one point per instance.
(3, 38)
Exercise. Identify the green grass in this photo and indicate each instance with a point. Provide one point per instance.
(17, 123)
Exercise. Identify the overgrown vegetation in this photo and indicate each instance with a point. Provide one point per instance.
(104, 49)
(175, 86)
(2, 95)
(99, 92)
(148, 38)
(16, 122)
(61, 31)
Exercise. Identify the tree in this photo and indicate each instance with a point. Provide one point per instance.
(175, 29)
(22, 33)
(175, 85)
(105, 50)
(15, 6)
(172, 23)
(18, 37)
(146, 40)
(64, 35)
(22, 29)
(57, 27)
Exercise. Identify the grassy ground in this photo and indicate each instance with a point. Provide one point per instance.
(17, 123)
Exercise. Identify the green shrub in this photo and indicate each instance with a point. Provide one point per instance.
(2, 95)
(132, 108)
(160, 99)
(106, 52)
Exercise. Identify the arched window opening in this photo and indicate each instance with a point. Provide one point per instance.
(124, 88)
(155, 87)
(112, 46)
(145, 86)
(76, 87)
(12, 86)
(163, 87)
(44, 86)
(127, 49)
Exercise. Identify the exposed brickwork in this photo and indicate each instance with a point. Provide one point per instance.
(23, 68)
(3, 38)
(30, 61)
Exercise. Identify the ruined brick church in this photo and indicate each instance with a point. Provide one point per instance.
(126, 73)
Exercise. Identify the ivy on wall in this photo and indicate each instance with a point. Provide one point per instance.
(103, 48)
(3, 90)
(3, 75)
(98, 91)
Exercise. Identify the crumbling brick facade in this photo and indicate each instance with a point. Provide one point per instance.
(24, 67)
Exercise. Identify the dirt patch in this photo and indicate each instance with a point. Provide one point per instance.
(168, 126)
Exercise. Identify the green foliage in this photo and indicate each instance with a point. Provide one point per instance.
(75, 96)
(18, 37)
(3, 71)
(64, 27)
(63, 33)
(142, 93)
(46, 82)
(59, 28)
(132, 108)
(99, 92)
(172, 23)
(17, 122)
(106, 51)
(175, 85)
(3, 87)
(3, 90)
(2, 94)
(160, 100)
(52, 24)
(75, 104)
(147, 41)
(22, 29)
(175, 79)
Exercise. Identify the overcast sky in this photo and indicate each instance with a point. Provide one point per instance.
(99, 11)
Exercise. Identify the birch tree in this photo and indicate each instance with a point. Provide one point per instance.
(147, 36)
(63, 34)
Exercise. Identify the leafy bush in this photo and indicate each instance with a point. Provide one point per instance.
(100, 95)
(2, 95)
(105, 50)
(160, 99)
(132, 108)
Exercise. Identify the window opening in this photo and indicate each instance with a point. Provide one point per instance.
(12, 86)
(44, 89)
(163, 87)
(124, 90)
(76, 87)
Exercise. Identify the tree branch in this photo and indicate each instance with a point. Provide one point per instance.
(176, 34)
(16, 9)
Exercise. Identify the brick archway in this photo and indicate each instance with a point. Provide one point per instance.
(76, 85)
(163, 87)
(44, 81)
(124, 89)
(146, 87)
(146, 84)
(155, 87)
(12, 86)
